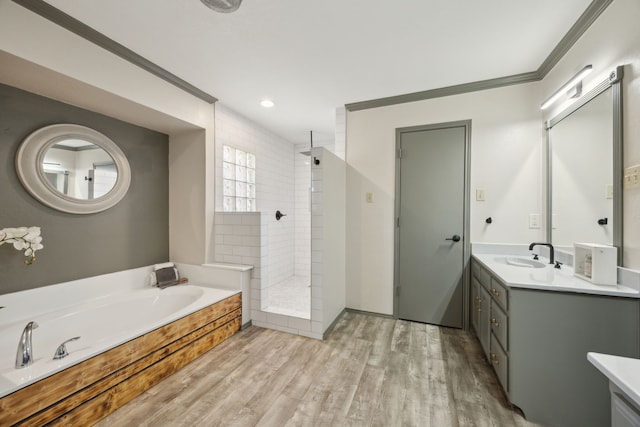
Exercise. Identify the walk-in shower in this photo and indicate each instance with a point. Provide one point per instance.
(291, 295)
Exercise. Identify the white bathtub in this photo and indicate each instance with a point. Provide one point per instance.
(105, 311)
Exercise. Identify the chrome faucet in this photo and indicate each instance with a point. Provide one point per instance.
(24, 355)
(549, 245)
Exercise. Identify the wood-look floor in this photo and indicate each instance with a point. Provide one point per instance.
(371, 371)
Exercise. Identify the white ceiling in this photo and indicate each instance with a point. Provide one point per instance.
(311, 56)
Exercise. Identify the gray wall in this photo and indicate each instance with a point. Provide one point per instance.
(132, 234)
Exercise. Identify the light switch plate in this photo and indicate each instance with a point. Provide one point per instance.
(480, 193)
(534, 220)
(608, 191)
(632, 177)
(368, 197)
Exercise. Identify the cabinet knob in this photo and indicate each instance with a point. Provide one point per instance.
(494, 358)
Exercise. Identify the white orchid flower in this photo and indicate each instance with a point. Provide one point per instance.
(23, 238)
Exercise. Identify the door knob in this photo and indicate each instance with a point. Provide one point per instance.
(455, 238)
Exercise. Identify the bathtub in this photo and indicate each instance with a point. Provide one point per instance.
(105, 311)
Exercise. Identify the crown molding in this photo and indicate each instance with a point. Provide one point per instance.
(593, 11)
(70, 23)
(588, 17)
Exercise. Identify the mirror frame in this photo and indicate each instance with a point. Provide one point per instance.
(30, 157)
(613, 81)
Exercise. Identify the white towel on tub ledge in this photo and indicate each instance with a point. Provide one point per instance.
(153, 277)
(163, 265)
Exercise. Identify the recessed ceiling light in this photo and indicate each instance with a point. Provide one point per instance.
(267, 103)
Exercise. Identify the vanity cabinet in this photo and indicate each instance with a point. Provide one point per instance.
(491, 321)
(624, 413)
(537, 343)
(481, 315)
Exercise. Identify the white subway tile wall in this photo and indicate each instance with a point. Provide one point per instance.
(267, 244)
(302, 202)
(275, 187)
(278, 250)
(317, 246)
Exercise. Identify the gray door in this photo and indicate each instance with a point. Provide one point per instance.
(431, 216)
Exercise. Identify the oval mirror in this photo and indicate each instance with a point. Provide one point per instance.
(73, 169)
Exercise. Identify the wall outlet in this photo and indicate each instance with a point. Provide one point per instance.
(480, 194)
(534, 220)
(608, 191)
(632, 177)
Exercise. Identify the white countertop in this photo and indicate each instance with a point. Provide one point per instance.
(547, 278)
(624, 372)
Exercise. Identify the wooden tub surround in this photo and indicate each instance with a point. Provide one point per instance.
(90, 390)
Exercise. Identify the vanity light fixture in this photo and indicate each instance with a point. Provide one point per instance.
(575, 80)
(267, 103)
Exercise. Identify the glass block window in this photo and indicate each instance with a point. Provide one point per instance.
(238, 180)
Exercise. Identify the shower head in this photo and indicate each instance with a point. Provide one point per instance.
(308, 152)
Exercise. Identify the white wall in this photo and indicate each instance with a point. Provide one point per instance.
(507, 142)
(506, 161)
(187, 224)
(328, 268)
(41, 57)
(302, 204)
(611, 41)
(274, 184)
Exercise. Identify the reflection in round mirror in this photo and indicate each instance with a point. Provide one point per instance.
(79, 169)
(73, 169)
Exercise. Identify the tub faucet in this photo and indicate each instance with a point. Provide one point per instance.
(24, 355)
(549, 245)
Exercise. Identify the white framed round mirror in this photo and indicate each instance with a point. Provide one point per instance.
(73, 169)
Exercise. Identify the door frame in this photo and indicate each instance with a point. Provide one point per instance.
(466, 250)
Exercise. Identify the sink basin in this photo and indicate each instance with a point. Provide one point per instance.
(520, 262)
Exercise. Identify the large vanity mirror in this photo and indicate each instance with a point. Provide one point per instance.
(73, 168)
(584, 195)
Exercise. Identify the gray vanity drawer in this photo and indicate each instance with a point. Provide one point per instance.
(482, 275)
(500, 361)
(499, 325)
(499, 293)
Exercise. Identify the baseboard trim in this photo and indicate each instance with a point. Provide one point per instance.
(369, 313)
(333, 325)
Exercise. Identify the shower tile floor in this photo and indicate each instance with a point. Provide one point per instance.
(291, 297)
